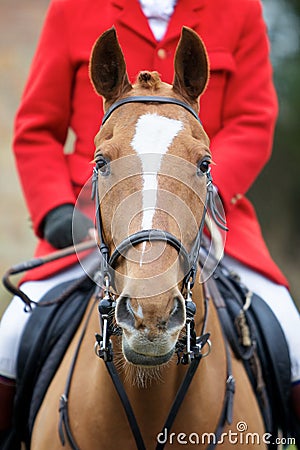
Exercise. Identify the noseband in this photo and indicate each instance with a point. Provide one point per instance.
(190, 259)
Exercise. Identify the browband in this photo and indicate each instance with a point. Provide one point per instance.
(148, 99)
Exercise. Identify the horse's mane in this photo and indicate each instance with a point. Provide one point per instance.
(149, 80)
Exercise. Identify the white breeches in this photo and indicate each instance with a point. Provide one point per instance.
(277, 297)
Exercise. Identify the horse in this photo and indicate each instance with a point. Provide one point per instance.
(151, 153)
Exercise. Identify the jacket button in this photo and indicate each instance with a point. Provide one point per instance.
(161, 53)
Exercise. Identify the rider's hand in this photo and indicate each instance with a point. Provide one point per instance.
(65, 226)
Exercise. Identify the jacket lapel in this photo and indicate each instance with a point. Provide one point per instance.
(131, 16)
(186, 13)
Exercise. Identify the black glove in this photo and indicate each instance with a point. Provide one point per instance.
(65, 226)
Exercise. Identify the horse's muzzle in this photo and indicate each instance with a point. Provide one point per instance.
(140, 359)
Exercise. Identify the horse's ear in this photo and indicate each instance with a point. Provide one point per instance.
(191, 66)
(108, 68)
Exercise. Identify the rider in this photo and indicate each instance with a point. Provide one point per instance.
(238, 111)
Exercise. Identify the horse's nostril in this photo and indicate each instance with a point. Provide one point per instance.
(177, 315)
(124, 312)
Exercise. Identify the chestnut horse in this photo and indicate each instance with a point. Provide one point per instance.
(151, 180)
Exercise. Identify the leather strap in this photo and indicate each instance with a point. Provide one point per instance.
(227, 410)
(126, 405)
(148, 99)
(64, 428)
(180, 397)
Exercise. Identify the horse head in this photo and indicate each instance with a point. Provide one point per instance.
(152, 157)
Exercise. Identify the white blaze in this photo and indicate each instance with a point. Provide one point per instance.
(153, 136)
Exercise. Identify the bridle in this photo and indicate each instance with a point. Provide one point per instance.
(109, 261)
(189, 348)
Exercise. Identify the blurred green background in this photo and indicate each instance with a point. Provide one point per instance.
(276, 193)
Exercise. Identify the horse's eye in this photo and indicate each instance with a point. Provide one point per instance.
(103, 165)
(203, 166)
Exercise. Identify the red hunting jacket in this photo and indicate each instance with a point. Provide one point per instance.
(238, 109)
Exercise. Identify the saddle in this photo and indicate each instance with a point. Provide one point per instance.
(251, 328)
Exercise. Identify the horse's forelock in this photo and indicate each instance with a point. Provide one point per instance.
(149, 80)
